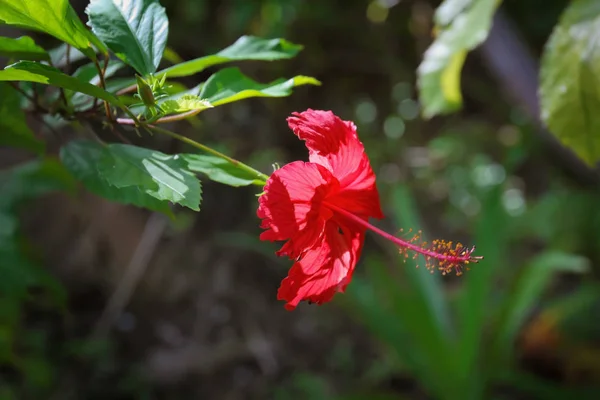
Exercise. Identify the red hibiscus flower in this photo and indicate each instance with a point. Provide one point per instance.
(321, 208)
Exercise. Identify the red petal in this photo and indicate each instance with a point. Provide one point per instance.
(291, 206)
(325, 269)
(334, 144)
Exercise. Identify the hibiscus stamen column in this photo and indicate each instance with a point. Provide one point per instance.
(446, 255)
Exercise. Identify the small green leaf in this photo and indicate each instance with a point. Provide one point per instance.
(23, 48)
(245, 48)
(220, 170)
(229, 85)
(462, 26)
(55, 17)
(187, 102)
(13, 128)
(135, 30)
(34, 72)
(162, 176)
(82, 159)
(570, 80)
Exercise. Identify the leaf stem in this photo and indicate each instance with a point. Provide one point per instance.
(209, 150)
(103, 86)
(162, 120)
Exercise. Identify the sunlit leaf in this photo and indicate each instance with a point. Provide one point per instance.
(230, 85)
(82, 159)
(161, 176)
(570, 80)
(184, 103)
(245, 48)
(55, 17)
(136, 31)
(220, 170)
(34, 72)
(462, 26)
(23, 48)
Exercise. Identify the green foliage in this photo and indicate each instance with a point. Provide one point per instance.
(527, 289)
(13, 128)
(19, 185)
(187, 102)
(136, 31)
(219, 170)
(456, 343)
(89, 73)
(461, 26)
(22, 48)
(230, 85)
(133, 175)
(55, 17)
(441, 345)
(570, 80)
(159, 175)
(58, 55)
(245, 48)
(34, 72)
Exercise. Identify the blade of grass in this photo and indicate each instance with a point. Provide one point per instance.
(491, 238)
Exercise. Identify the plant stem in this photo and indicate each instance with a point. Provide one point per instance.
(209, 150)
(163, 120)
(103, 86)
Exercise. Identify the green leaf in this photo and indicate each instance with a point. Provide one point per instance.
(34, 72)
(245, 48)
(449, 10)
(219, 170)
(570, 80)
(82, 158)
(476, 300)
(229, 85)
(23, 48)
(13, 128)
(171, 56)
(184, 103)
(529, 286)
(136, 31)
(162, 176)
(55, 17)
(59, 58)
(32, 179)
(463, 25)
(89, 71)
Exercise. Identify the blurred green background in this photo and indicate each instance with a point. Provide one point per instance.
(127, 305)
